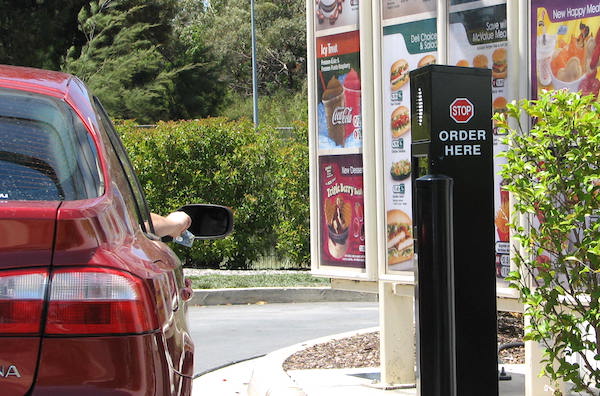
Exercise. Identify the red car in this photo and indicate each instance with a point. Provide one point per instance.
(91, 301)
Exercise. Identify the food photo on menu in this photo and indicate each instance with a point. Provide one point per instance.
(338, 215)
(399, 74)
(499, 63)
(481, 61)
(339, 112)
(567, 53)
(400, 170)
(329, 10)
(400, 121)
(399, 71)
(400, 245)
(332, 13)
(426, 60)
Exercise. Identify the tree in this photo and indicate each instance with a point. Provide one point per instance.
(554, 174)
(188, 47)
(51, 28)
(130, 60)
(281, 43)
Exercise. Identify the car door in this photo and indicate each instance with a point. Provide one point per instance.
(168, 270)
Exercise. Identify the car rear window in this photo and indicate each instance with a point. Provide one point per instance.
(46, 153)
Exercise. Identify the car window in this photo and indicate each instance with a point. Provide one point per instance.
(141, 206)
(46, 153)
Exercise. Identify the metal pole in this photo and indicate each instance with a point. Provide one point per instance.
(442, 31)
(436, 338)
(254, 78)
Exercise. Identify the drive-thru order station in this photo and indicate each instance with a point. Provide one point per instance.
(406, 196)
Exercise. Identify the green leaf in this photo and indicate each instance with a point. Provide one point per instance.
(552, 174)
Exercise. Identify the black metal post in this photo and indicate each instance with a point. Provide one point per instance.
(452, 135)
(436, 345)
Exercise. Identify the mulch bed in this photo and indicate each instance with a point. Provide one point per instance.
(363, 350)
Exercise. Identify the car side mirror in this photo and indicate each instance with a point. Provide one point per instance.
(209, 221)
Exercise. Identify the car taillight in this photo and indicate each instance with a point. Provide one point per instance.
(22, 300)
(98, 301)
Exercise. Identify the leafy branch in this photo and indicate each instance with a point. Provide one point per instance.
(554, 172)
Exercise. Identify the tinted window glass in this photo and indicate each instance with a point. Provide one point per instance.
(133, 182)
(45, 151)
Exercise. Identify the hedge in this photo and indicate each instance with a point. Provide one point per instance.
(260, 174)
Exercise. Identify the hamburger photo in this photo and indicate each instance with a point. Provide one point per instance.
(480, 61)
(499, 64)
(426, 60)
(398, 74)
(463, 63)
(400, 121)
(400, 245)
(499, 105)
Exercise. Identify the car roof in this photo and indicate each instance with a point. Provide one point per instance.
(43, 81)
(51, 83)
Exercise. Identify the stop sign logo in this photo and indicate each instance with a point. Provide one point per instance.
(462, 110)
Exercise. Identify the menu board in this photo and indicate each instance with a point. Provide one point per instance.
(340, 134)
(565, 52)
(565, 46)
(406, 46)
(478, 38)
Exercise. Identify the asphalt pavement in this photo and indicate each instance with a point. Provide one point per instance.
(225, 334)
(236, 333)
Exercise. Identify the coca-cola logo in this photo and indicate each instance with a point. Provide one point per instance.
(341, 115)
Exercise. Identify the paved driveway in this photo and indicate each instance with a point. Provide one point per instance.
(226, 334)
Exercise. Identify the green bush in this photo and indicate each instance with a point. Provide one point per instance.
(292, 198)
(233, 164)
(554, 178)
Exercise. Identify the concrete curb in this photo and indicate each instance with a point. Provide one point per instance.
(268, 377)
(277, 295)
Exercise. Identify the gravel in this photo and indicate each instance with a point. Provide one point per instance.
(363, 350)
(352, 352)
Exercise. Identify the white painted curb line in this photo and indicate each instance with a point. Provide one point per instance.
(276, 295)
(269, 378)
